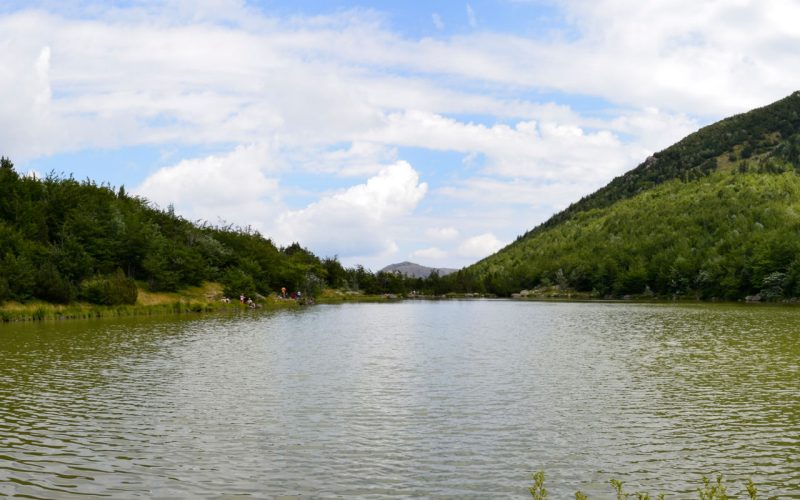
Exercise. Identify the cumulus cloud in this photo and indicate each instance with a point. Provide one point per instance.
(442, 233)
(358, 221)
(232, 187)
(480, 246)
(428, 254)
(545, 150)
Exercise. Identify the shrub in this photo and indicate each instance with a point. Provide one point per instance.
(111, 290)
(52, 286)
(236, 282)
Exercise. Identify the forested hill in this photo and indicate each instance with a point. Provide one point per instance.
(758, 135)
(62, 240)
(717, 215)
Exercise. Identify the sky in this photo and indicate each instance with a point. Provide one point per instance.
(382, 131)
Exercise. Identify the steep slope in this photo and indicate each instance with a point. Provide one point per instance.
(714, 215)
(756, 136)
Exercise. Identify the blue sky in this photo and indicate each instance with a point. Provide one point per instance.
(377, 131)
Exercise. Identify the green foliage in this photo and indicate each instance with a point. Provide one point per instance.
(538, 491)
(762, 134)
(617, 485)
(52, 286)
(713, 491)
(751, 489)
(709, 491)
(61, 239)
(725, 236)
(773, 285)
(335, 274)
(19, 274)
(236, 282)
(111, 290)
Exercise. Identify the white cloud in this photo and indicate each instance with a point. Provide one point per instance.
(359, 158)
(233, 187)
(428, 254)
(545, 150)
(360, 221)
(442, 233)
(471, 18)
(480, 246)
(437, 21)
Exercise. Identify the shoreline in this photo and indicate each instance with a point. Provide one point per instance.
(190, 304)
(43, 311)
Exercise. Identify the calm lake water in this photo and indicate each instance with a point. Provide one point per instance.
(434, 399)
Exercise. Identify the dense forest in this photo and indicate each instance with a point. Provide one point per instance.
(714, 216)
(63, 240)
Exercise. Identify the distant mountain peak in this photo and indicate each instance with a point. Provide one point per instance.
(413, 270)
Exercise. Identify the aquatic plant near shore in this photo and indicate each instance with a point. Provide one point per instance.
(710, 490)
(538, 491)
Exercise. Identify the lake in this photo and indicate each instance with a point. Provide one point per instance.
(434, 399)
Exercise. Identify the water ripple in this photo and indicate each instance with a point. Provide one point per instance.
(442, 400)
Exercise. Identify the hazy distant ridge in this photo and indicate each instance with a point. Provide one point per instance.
(415, 270)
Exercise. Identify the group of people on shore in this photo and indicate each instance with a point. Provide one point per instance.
(244, 300)
(298, 295)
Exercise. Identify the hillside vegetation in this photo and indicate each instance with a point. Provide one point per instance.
(713, 216)
(62, 240)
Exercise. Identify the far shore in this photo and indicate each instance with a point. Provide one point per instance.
(207, 299)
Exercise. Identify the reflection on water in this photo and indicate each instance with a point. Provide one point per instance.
(412, 399)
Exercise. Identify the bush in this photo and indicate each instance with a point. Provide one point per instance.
(112, 290)
(236, 282)
(52, 286)
(5, 291)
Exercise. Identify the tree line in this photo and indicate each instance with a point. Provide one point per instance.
(64, 240)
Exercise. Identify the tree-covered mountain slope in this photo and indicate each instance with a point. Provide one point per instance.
(715, 215)
(760, 135)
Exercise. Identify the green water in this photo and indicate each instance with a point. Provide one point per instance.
(433, 399)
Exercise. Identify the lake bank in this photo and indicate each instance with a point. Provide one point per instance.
(195, 300)
(206, 299)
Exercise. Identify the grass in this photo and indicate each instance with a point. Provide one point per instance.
(329, 296)
(195, 300)
(710, 490)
